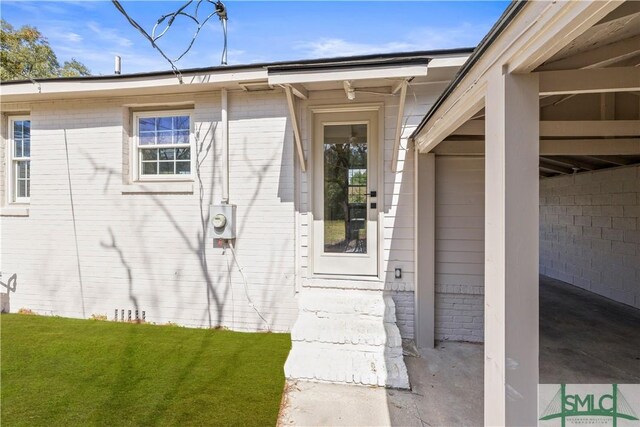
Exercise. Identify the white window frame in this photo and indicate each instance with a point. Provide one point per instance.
(137, 161)
(12, 160)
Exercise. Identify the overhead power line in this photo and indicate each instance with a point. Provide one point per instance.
(165, 22)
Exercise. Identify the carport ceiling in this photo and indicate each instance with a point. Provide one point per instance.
(614, 41)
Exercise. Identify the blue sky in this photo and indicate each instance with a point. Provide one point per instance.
(94, 31)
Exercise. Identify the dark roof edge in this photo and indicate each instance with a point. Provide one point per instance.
(323, 63)
(505, 19)
(364, 60)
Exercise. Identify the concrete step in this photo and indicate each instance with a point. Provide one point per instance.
(347, 301)
(348, 336)
(345, 329)
(343, 365)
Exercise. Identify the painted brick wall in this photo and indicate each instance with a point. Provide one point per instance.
(88, 248)
(143, 249)
(405, 313)
(460, 317)
(590, 231)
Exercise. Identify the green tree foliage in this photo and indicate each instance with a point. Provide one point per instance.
(25, 53)
(73, 68)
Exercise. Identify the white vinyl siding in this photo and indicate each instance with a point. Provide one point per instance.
(459, 246)
(396, 225)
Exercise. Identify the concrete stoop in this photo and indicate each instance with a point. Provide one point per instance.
(347, 336)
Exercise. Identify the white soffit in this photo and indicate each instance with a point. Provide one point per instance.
(456, 62)
(125, 86)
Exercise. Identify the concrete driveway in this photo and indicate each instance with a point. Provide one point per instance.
(446, 389)
(584, 338)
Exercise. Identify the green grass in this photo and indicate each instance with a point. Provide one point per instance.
(334, 231)
(59, 371)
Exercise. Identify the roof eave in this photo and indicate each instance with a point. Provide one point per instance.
(505, 19)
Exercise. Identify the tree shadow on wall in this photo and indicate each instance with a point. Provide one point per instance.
(5, 297)
(196, 245)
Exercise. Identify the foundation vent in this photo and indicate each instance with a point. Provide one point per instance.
(127, 315)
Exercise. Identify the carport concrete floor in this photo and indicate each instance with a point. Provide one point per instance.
(584, 338)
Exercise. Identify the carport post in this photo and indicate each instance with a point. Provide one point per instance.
(511, 249)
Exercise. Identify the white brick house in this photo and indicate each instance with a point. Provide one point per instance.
(360, 221)
(103, 230)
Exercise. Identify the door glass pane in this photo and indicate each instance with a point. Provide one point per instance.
(345, 188)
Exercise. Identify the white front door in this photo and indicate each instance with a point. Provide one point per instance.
(345, 208)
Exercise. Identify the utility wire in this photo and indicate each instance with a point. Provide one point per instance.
(246, 286)
(28, 77)
(168, 20)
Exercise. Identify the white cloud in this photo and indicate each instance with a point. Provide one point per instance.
(463, 35)
(109, 35)
(328, 47)
(70, 37)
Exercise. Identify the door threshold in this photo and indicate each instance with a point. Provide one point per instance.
(344, 282)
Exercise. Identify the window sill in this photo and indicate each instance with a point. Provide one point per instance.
(14, 211)
(158, 188)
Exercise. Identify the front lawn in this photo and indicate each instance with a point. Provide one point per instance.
(59, 371)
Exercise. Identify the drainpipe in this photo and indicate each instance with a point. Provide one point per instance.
(225, 145)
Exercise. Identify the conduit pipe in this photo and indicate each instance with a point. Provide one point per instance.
(224, 101)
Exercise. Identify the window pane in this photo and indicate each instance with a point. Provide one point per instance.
(166, 168)
(26, 147)
(183, 168)
(182, 122)
(165, 123)
(22, 188)
(17, 130)
(28, 163)
(18, 149)
(149, 154)
(28, 188)
(167, 153)
(165, 131)
(26, 128)
(165, 138)
(147, 124)
(147, 138)
(184, 153)
(22, 169)
(149, 168)
(182, 137)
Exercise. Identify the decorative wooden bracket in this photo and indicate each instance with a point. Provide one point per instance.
(396, 141)
(296, 127)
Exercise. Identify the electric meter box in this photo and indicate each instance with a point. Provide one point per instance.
(222, 221)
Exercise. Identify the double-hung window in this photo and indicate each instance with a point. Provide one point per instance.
(20, 159)
(164, 143)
